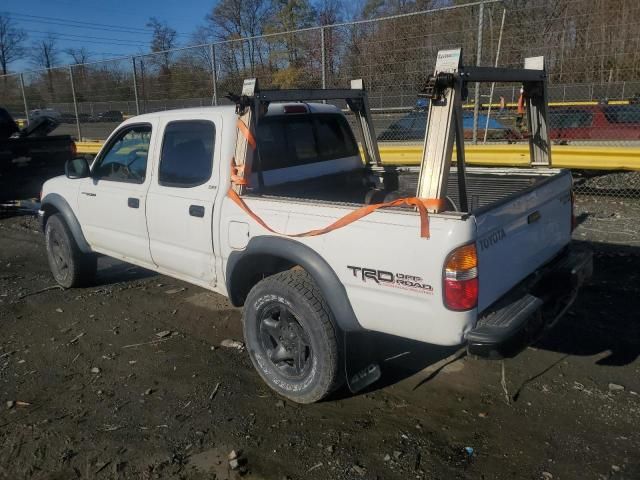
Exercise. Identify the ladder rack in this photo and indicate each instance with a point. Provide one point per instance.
(446, 89)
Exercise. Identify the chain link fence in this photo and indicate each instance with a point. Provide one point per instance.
(591, 55)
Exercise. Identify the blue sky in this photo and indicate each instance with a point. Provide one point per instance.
(107, 28)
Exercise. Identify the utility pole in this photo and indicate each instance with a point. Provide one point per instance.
(24, 99)
(324, 58)
(214, 74)
(75, 102)
(476, 106)
(135, 85)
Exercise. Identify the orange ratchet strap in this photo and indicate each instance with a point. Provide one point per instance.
(247, 133)
(421, 203)
(237, 178)
(237, 174)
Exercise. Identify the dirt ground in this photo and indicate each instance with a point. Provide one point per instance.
(127, 379)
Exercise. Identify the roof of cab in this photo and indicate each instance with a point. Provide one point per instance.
(273, 110)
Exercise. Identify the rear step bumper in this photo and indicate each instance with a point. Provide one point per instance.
(523, 314)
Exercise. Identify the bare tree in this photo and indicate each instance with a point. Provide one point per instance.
(11, 40)
(329, 11)
(44, 52)
(163, 38)
(79, 55)
(235, 19)
(292, 15)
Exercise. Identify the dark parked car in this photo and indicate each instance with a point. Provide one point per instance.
(110, 116)
(413, 125)
(71, 117)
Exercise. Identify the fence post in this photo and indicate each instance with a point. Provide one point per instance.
(75, 102)
(622, 95)
(214, 74)
(493, 84)
(24, 99)
(476, 106)
(251, 59)
(324, 58)
(564, 93)
(135, 85)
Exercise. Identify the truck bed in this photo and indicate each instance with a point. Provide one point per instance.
(484, 186)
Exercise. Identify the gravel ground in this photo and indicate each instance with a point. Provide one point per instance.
(127, 379)
(617, 184)
(608, 220)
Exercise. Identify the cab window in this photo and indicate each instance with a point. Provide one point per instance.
(186, 160)
(125, 159)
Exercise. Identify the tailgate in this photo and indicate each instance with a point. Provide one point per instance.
(519, 234)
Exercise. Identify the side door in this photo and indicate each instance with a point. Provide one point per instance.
(111, 202)
(181, 198)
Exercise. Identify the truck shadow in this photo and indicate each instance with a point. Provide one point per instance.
(111, 271)
(398, 358)
(603, 322)
(605, 317)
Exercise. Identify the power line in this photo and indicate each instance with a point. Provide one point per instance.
(95, 42)
(23, 17)
(58, 24)
(59, 35)
(65, 20)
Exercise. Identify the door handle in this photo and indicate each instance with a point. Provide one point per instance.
(88, 194)
(196, 211)
(133, 202)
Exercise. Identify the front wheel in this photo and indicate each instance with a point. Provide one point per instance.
(290, 336)
(70, 267)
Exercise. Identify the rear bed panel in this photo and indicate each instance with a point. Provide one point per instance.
(516, 237)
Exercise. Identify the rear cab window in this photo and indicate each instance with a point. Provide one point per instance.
(294, 140)
(186, 159)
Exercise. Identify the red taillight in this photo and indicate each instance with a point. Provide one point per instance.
(461, 294)
(461, 279)
(295, 109)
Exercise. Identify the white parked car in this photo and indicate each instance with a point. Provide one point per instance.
(157, 196)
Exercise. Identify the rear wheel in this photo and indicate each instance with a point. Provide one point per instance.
(290, 336)
(70, 267)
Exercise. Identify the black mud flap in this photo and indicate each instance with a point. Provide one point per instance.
(360, 366)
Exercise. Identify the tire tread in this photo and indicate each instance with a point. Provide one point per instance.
(303, 284)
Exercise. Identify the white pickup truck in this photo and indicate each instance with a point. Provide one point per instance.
(157, 195)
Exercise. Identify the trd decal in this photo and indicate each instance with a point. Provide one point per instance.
(389, 279)
(490, 240)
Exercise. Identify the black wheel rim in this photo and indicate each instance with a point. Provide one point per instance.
(59, 254)
(284, 341)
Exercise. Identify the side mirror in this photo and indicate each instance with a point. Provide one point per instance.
(77, 168)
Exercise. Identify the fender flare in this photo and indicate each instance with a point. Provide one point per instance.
(299, 254)
(62, 206)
